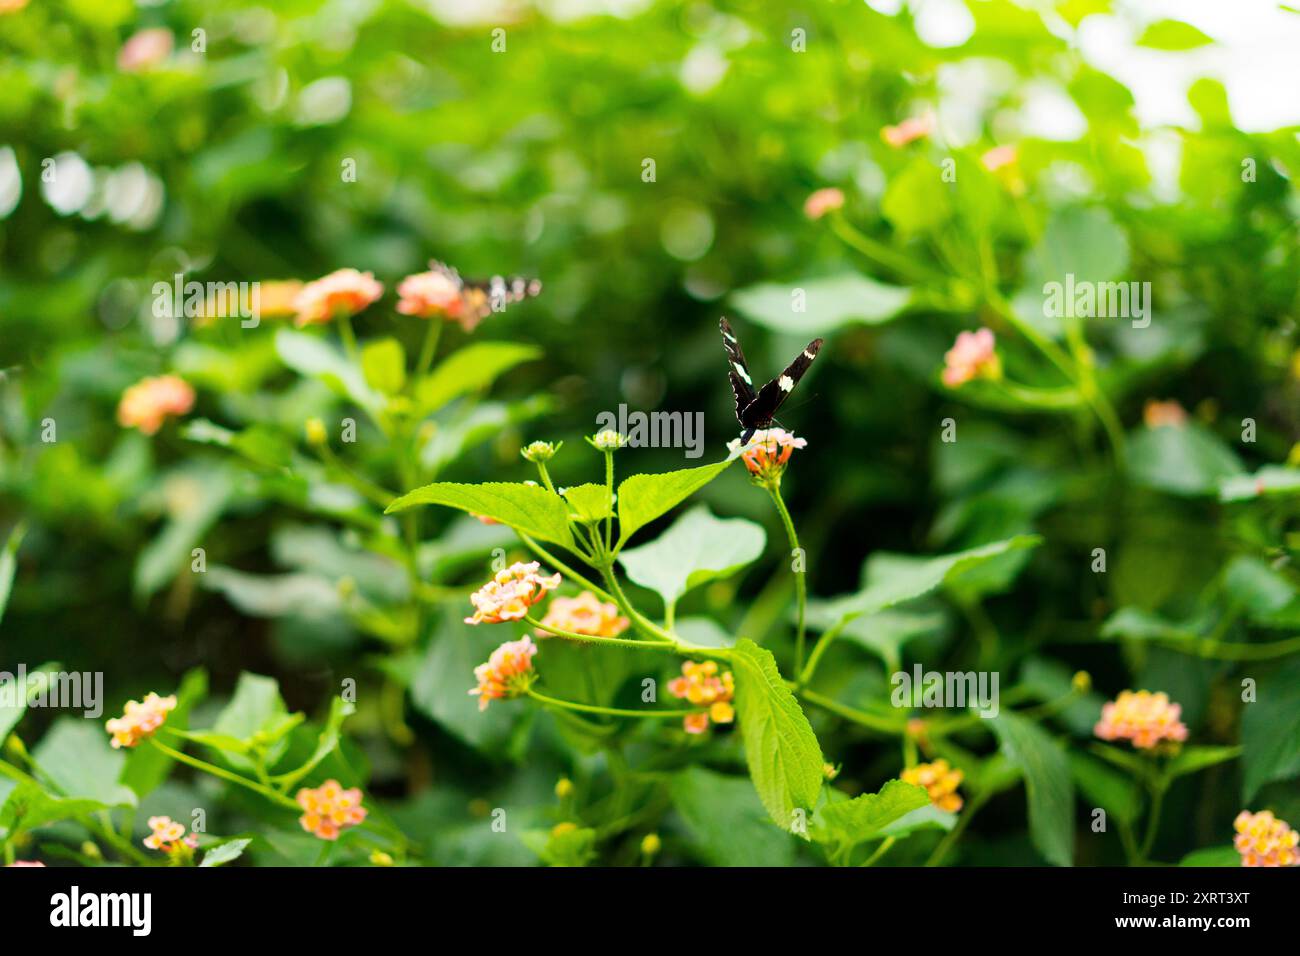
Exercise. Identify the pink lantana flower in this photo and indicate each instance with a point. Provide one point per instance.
(345, 291)
(911, 129)
(509, 595)
(972, 356)
(145, 50)
(1142, 718)
(507, 673)
(149, 402)
(1264, 840)
(823, 201)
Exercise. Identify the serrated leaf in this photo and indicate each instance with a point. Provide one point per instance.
(865, 817)
(224, 853)
(527, 508)
(695, 549)
(589, 502)
(785, 760)
(1047, 784)
(642, 498)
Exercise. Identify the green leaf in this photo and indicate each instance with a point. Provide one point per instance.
(911, 579)
(566, 848)
(14, 699)
(1183, 460)
(727, 824)
(383, 363)
(928, 817)
(1083, 241)
(1119, 795)
(76, 757)
(527, 508)
(275, 595)
(224, 853)
(171, 552)
(1173, 35)
(8, 567)
(589, 502)
(255, 709)
(1193, 759)
(865, 817)
(1047, 784)
(642, 498)
(1271, 480)
(695, 549)
(470, 369)
(1212, 856)
(1270, 731)
(917, 199)
(28, 806)
(826, 304)
(340, 710)
(785, 760)
(312, 357)
(147, 767)
(1259, 590)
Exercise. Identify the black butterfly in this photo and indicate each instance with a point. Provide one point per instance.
(480, 298)
(754, 410)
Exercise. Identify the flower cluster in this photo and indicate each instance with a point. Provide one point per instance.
(608, 440)
(768, 451)
(145, 50)
(509, 595)
(971, 356)
(1264, 840)
(584, 614)
(702, 685)
(1142, 718)
(507, 673)
(329, 808)
(540, 451)
(823, 201)
(1163, 414)
(148, 403)
(169, 836)
(435, 293)
(911, 129)
(140, 719)
(940, 782)
(345, 291)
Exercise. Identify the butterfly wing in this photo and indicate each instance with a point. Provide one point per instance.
(759, 412)
(742, 385)
(480, 295)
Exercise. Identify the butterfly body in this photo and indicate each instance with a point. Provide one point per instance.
(756, 408)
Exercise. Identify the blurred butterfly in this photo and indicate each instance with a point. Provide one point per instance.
(480, 298)
(755, 410)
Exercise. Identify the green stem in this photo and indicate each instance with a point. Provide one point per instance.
(800, 585)
(609, 711)
(823, 642)
(861, 717)
(949, 841)
(560, 566)
(1235, 650)
(224, 774)
(879, 252)
(609, 486)
(1153, 821)
(429, 347)
(593, 639)
(880, 851)
(348, 336)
